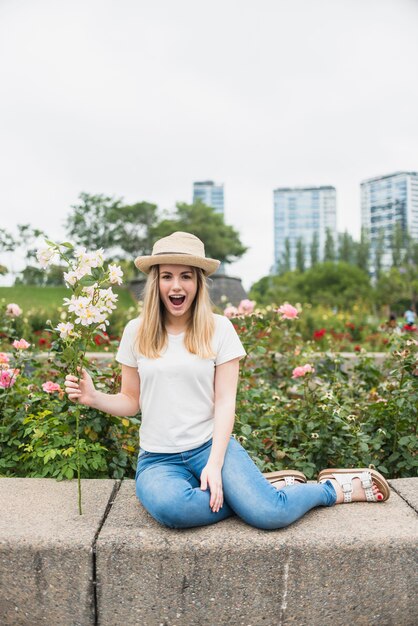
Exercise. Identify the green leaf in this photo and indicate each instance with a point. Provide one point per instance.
(403, 441)
(68, 354)
(67, 244)
(87, 281)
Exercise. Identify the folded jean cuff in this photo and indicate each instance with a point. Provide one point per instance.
(330, 493)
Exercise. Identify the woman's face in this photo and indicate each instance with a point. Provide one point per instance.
(178, 287)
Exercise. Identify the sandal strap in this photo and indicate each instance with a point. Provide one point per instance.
(367, 484)
(345, 480)
(288, 480)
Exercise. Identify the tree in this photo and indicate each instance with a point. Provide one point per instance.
(330, 283)
(335, 284)
(285, 261)
(314, 249)
(396, 289)
(300, 255)
(92, 222)
(329, 249)
(277, 289)
(28, 238)
(221, 240)
(410, 256)
(397, 242)
(363, 251)
(31, 275)
(379, 250)
(346, 247)
(26, 241)
(124, 231)
(7, 242)
(134, 228)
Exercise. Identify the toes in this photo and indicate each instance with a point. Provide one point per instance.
(377, 492)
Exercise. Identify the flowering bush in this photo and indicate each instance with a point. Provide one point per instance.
(302, 370)
(13, 310)
(342, 330)
(335, 414)
(37, 428)
(304, 409)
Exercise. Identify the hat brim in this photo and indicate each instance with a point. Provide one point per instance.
(144, 263)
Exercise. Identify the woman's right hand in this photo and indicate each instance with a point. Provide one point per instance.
(80, 390)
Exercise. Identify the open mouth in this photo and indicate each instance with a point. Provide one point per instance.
(177, 300)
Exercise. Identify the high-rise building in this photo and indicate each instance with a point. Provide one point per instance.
(385, 202)
(210, 194)
(299, 213)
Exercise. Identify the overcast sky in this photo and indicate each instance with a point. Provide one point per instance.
(138, 99)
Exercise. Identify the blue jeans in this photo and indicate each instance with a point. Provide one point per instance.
(168, 486)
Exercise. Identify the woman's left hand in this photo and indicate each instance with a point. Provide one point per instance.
(211, 476)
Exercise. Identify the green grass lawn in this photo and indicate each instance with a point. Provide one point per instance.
(33, 297)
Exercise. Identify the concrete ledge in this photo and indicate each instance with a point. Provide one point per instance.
(349, 565)
(46, 557)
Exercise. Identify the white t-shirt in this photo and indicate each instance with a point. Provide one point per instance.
(177, 389)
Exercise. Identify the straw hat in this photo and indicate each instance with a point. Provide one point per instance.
(178, 249)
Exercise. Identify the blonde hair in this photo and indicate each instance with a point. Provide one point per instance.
(152, 335)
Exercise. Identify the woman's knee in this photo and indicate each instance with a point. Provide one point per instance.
(166, 510)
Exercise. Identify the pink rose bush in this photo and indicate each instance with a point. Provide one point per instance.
(245, 307)
(9, 374)
(13, 310)
(288, 312)
(302, 370)
(51, 387)
(20, 344)
(4, 358)
(8, 377)
(231, 311)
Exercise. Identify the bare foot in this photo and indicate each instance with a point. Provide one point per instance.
(358, 494)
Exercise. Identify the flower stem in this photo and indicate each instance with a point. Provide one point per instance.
(77, 447)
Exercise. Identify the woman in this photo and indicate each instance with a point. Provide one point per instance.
(180, 364)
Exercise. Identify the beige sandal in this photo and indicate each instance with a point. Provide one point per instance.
(367, 477)
(290, 477)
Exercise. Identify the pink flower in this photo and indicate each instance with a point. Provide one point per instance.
(4, 358)
(13, 310)
(246, 307)
(50, 387)
(302, 370)
(20, 344)
(231, 311)
(288, 312)
(8, 378)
